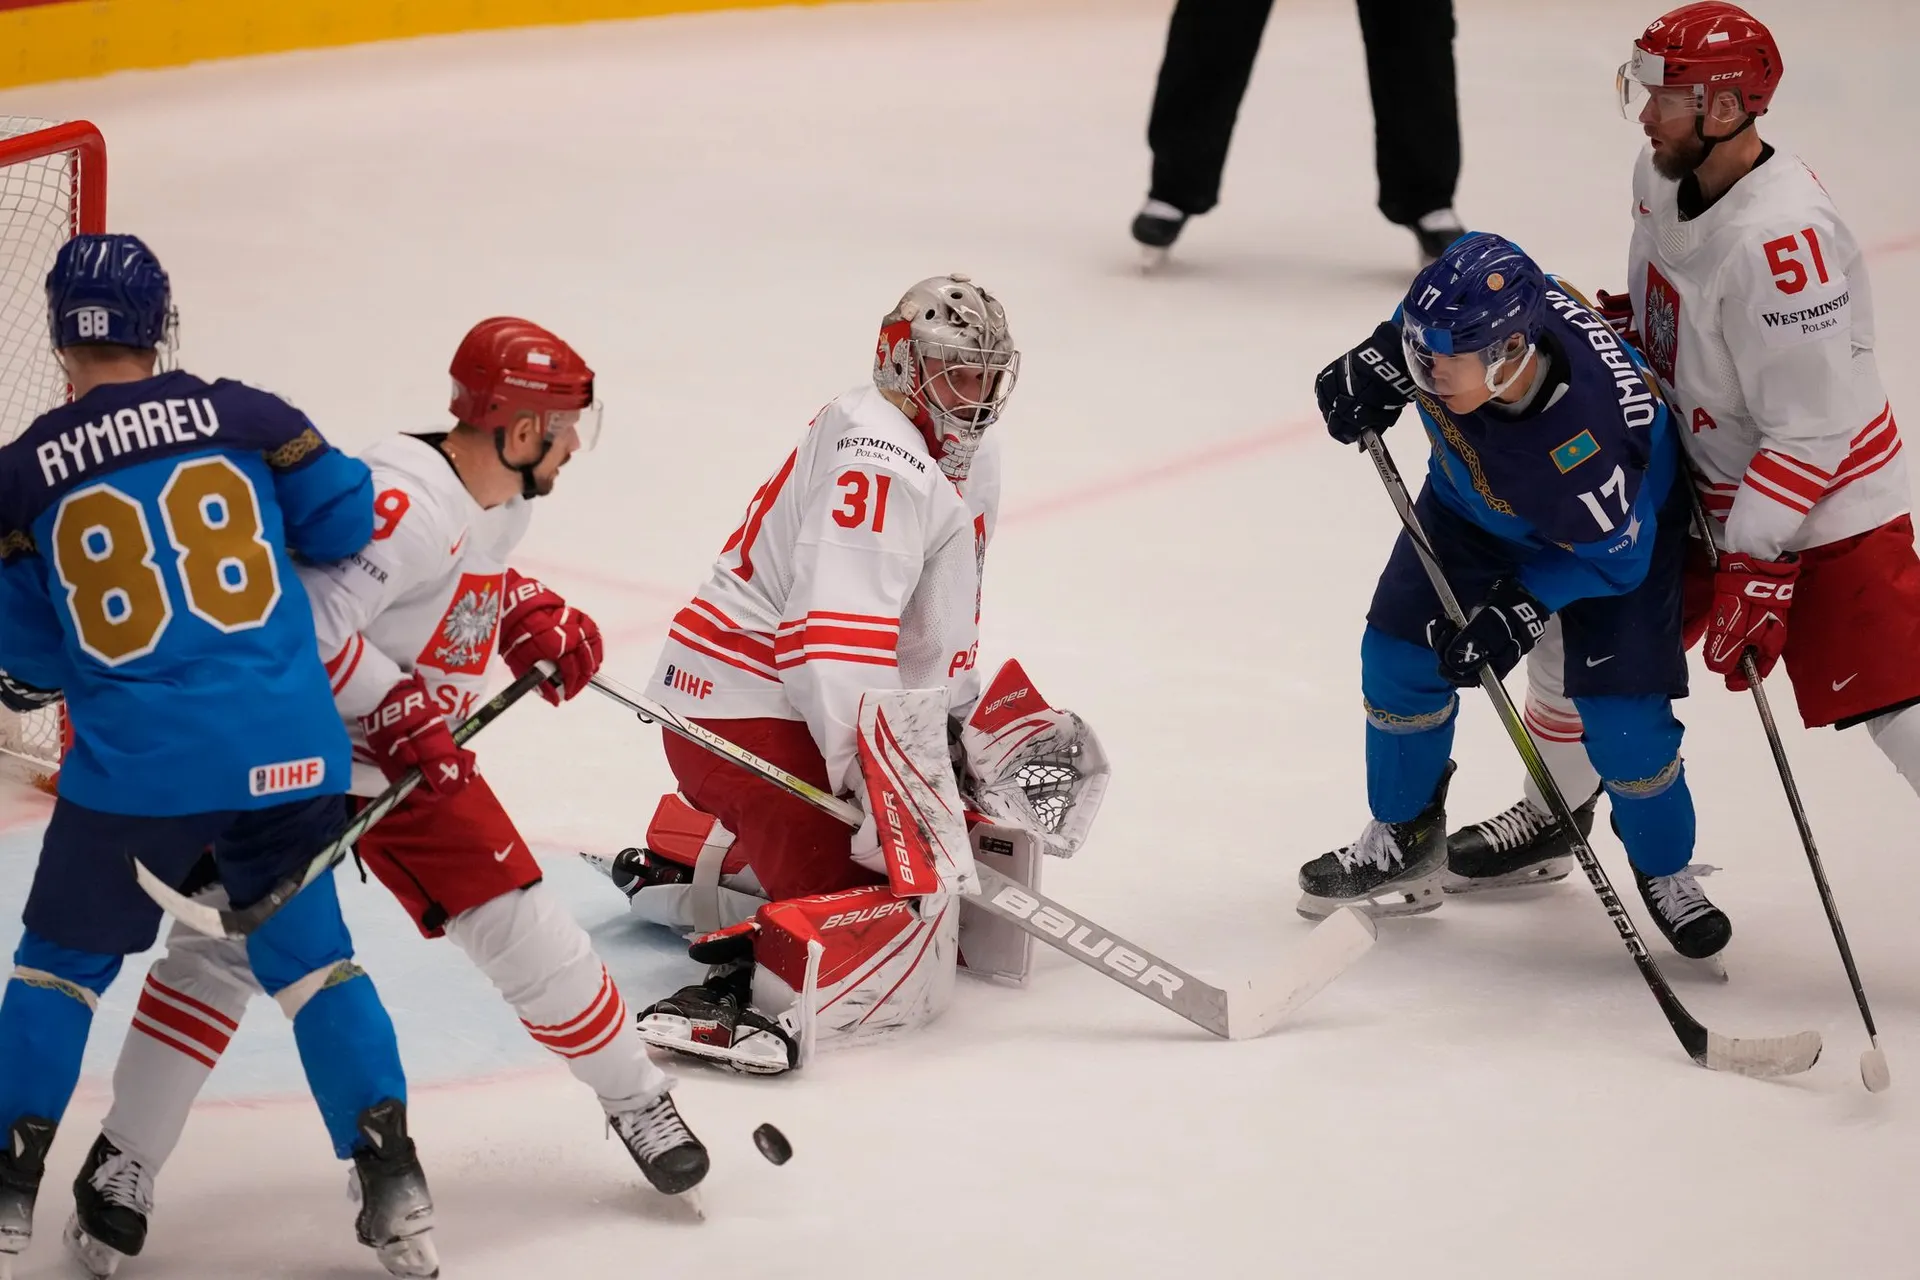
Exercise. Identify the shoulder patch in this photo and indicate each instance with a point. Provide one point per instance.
(1575, 451)
(296, 451)
(1788, 323)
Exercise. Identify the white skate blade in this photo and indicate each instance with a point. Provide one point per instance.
(1873, 1070)
(1409, 898)
(1763, 1057)
(1152, 259)
(695, 1204)
(412, 1257)
(759, 1055)
(1552, 871)
(1328, 952)
(599, 862)
(100, 1260)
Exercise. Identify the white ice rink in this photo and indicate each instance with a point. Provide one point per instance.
(716, 211)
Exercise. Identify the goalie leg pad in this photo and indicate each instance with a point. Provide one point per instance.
(722, 889)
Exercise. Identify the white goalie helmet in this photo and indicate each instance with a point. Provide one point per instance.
(947, 352)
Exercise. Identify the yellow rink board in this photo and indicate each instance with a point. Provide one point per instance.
(68, 39)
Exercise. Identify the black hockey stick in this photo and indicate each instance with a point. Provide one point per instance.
(1245, 1008)
(1767, 1056)
(238, 922)
(1874, 1072)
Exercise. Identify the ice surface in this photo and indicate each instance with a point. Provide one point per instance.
(716, 211)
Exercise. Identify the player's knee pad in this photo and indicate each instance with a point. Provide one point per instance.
(720, 888)
(526, 942)
(1897, 734)
(82, 975)
(887, 963)
(305, 937)
(1402, 685)
(1635, 744)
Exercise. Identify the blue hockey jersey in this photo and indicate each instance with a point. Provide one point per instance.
(145, 532)
(1577, 482)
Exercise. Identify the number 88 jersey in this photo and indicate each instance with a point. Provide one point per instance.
(1757, 317)
(145, 532)
(857, 566)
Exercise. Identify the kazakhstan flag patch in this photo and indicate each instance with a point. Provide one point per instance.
(1575, 451)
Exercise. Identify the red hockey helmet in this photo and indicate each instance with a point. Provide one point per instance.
(506, 368)
(1704, 48)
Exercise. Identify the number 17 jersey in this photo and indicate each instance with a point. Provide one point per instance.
(145, 532)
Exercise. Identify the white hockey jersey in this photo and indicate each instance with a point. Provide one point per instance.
(1758, 319)
(857, 567)
(423, 596)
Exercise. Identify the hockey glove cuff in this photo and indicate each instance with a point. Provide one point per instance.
(408, 731)
(1365, 389)
(1751, 598)
(539, 626)
(1500, 631)
(1617, 310)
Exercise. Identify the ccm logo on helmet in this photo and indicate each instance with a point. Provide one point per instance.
(1091, 943)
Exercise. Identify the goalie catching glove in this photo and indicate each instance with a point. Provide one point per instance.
(1027, 764)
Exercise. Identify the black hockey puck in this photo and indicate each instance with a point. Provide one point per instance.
(773, 1144)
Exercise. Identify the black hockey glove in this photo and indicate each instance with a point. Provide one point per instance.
(21, 698)
(1365, 389)
(1500, 631)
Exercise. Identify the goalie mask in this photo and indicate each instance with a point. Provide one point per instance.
(945, 350)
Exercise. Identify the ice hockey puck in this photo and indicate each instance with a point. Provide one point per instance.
(773, 1144)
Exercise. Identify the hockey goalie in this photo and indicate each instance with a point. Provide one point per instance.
(837, 638)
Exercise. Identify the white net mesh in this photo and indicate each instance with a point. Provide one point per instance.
(38, 214)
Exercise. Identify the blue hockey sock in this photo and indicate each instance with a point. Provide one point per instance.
(1634, 742)
(44, 1020)
(1410, 713)
(350, 1054)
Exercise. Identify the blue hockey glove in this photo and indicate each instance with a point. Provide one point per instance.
(1500, 631)
(1365, 389)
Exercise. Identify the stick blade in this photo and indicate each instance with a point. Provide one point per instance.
(1874, 1072)
(197, 916)
(1763, 1056)
(1255, 1006)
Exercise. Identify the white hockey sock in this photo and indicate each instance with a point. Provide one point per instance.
(1897, 734)
(1555, 724)
(192, 1003)
(542, 962)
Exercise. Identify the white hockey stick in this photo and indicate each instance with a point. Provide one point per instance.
(1239, 1011)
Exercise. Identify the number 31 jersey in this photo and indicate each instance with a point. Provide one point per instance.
(145, 532)
(1757, 317)
(857, 567)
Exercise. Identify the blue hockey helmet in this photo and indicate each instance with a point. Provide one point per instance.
(108, 289)
(1482, 297)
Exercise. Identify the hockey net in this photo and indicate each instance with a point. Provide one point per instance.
(53, 186)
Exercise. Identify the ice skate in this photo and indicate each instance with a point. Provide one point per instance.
(1392, 869)
(1693, 926)
(112, 1197)
(714, 1021)
(1521, 846)
(1155, 228)
(22, 1165)
(632, 870)
(1435, 231)
(668, 1153)
(396, 1210)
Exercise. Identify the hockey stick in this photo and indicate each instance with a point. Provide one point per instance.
(1239, 1011)
(237, 922)
(1764, 1056)
(1874, 1072)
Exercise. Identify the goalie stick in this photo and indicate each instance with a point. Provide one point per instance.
(1748, 1056)
(1874, 1072)
(1241, 1010)
(237, 922)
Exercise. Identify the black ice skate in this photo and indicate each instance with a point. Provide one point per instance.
(1435, 231)
(112, 1197)
(632, 870)
(1393, 869)
(1693, 926)
(714, 1020)
(396, 1210)
(22, 1165)
(1156, 227)
(668, 1153)
(1521, 846)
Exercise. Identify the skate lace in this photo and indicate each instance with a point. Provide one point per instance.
(1375, 845)
(125, 1181)
(1510, 830)
(1678, 897)
(652, 1129)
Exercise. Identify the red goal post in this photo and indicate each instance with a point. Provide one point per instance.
(53, 186)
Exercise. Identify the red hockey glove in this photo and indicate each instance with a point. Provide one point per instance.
(1617, 310)
(1750, 602)
(408, 731)
(539, 626)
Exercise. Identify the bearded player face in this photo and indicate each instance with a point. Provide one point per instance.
(1674, 126)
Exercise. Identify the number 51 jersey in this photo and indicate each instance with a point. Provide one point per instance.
(145, 532)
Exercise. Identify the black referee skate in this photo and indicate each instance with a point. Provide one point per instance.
(668, 1153)
(396, 1210)
(1520, 846)
(632, 870)
(1435, 231)
(1156, 227)
(22, 1165)
(1693, 926)
(1393, 869)
(112, 1196)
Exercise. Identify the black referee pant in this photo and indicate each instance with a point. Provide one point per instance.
(1416, 116)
